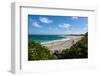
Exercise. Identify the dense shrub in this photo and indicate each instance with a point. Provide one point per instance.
(78, 50)
(38, 52)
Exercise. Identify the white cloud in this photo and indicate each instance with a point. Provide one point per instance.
(75, 17)
(45, 20)
(64, 26)
(35, 24)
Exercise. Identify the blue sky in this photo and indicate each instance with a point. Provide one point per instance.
(46, 24)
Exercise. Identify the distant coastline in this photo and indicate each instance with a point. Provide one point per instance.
(45, 38)
(51, 38)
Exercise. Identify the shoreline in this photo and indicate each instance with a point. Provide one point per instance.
(53, 41)
(59, 45)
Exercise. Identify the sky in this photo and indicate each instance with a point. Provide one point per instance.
(49, 25)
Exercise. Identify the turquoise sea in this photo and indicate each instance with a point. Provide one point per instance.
(45, 38)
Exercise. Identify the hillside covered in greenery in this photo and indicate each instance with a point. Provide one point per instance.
(38, 52)
(78, 50)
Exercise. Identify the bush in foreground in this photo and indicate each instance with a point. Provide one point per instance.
(38, 52)
(78, 50)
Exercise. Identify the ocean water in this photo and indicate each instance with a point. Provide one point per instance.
(45, 38)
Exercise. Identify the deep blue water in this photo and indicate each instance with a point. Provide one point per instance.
(44, 38)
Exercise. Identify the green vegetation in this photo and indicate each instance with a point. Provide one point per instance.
(78, 50)
(38, 52)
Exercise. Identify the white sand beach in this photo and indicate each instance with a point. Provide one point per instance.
(62, 44)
